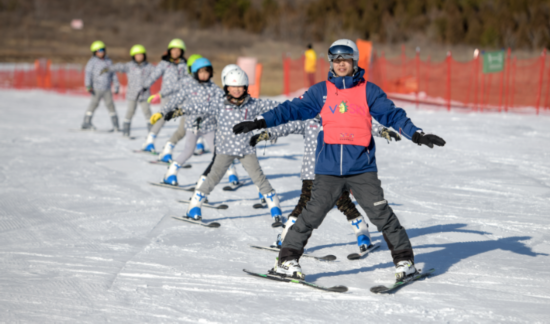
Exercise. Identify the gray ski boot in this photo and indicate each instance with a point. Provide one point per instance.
(126, 129)
(114, 120)
(87, 123)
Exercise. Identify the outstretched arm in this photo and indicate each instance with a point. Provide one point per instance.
(384, 111)
(119, 67)
(306, 107)
(157, 73)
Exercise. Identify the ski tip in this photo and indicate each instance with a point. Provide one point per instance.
(213, 225)
(378, 289)
(223, 207)
(339, 289)
(329, 257)
(275, 225)
(354, 256)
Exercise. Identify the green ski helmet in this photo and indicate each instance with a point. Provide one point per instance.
(192, 60)
(137, 49)
(176, 43)
(97, 45)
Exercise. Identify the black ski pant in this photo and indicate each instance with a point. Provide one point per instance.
(368, 192)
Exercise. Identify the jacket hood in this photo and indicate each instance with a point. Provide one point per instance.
(348, 81)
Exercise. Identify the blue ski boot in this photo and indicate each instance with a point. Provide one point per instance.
(171, 176)
(149, 145)
(275, 208)
(361, 229)
(194, 210)
(166, 155)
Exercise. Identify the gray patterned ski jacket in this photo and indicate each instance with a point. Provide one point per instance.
(228, 115)
(193, 93)
(97, 81)
(137, 73)
(171, 73)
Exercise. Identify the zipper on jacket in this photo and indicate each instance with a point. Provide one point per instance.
(344, 81)
(341, 157)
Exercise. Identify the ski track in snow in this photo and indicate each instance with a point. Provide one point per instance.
(84, 238)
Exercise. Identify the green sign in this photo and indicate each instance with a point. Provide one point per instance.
(493, 62)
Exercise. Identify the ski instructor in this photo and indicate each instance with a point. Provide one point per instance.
(345, 155)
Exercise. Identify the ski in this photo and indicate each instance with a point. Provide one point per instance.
(142, 151)
(278, 224)
(233, 187)
(92, 130)
(399, 284)
(185, 166)
(165, 185)
(357, 256)
(259, 206)
(192, 221)
(329, 257)
(207, 204)
(338, 289)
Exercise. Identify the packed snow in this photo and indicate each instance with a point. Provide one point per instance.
(85, 238)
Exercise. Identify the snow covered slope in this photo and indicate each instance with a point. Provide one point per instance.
(84, 238)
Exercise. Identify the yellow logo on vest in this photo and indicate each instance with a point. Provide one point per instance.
(343, 107)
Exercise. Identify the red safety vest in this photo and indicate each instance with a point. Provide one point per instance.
(346, 116)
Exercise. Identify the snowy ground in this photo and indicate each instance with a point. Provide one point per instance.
(84, 238)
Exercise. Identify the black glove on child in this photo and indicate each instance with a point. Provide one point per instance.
(248, 126)
(429, 140)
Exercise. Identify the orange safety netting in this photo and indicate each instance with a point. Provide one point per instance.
(523, 85)
(64, 78)
(295, 78)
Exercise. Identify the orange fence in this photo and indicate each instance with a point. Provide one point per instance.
(523, 85)
(295, 78)
(64, 78)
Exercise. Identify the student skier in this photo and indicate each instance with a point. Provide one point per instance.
(310, 130)
(202, 90)
(99, 85)
(172, 69)
(235, 106)
(345, 155)
(138, 70)
(166, 153)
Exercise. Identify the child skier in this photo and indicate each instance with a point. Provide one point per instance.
(345, 155)
(166, 153)
(310, 130)
(138, 70)
(201, 89)
(235, 106)
(172, 108)
(173, 69)
(99, 85)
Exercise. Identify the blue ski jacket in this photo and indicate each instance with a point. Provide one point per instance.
(338, 159)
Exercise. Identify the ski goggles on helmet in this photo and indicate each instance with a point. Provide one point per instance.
(340, 51)
(101, 50)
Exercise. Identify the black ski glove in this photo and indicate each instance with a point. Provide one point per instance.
(263, 136)
(429, 140)
(248, 126)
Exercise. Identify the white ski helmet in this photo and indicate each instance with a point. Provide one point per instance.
(346, 49)
(227, 69)
(236, 78)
